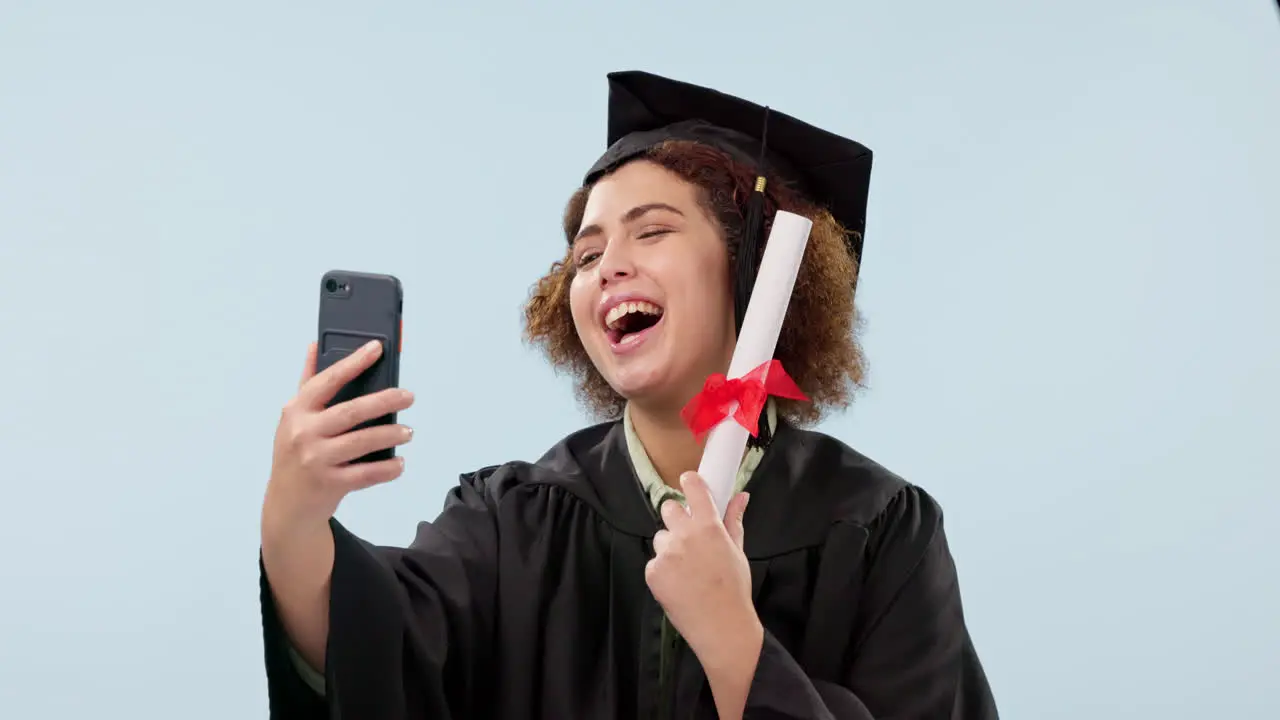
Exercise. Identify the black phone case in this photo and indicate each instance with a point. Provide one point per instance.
(354, 309)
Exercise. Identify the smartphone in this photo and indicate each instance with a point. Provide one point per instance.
(354, 309)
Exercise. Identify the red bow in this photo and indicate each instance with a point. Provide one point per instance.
(711, 406)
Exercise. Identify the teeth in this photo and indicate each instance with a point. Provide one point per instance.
(623, 309)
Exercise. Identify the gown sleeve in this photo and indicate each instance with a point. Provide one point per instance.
(911, 654)
(408, 628)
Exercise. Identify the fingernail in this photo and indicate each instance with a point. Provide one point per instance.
(408, 432)
(406, 394)
(372, 345)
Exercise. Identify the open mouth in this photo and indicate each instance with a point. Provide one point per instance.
(629, 320)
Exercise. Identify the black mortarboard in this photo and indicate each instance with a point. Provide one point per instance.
(646, 110)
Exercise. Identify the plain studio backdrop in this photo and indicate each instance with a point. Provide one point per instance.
(1069, 287)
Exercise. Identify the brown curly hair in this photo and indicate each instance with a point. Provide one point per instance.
(818, 344)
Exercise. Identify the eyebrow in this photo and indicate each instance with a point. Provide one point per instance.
(631, 215)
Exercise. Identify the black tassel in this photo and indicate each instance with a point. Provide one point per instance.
(751, 246)
(750, 249)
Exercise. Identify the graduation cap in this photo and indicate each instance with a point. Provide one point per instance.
(646, 110)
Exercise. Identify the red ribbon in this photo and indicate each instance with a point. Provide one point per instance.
(711, 406)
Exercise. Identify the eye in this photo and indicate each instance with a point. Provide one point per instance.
(653, 232)
(587, 257)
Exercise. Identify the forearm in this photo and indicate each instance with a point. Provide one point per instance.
(299, 566)
(731, 669)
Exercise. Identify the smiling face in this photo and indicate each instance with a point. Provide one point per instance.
(650, 296)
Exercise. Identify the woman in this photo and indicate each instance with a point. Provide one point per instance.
(571, 587)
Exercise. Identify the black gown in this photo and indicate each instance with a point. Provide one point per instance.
(526, 599)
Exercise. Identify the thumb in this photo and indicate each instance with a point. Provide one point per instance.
(733, 518)
(309, 367)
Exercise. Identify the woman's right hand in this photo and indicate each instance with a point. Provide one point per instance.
(311, 470)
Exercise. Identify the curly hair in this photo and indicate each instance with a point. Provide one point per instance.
(818, 344)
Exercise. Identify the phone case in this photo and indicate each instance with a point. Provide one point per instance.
(354, 309)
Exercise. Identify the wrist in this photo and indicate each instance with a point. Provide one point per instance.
(283, 525)
(734, 653)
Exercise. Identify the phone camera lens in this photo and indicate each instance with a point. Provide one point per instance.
(331, 285)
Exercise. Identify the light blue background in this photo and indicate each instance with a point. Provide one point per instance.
(1070, 286)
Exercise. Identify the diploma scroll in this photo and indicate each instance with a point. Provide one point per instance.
(757, 341)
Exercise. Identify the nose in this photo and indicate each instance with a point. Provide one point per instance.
(615, 264)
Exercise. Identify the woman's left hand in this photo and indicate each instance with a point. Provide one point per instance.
(701, 577)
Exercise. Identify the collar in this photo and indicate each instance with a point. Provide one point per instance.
(651, 481)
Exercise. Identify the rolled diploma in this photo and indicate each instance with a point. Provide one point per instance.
(783, 251)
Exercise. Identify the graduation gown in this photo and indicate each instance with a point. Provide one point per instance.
(526, 598)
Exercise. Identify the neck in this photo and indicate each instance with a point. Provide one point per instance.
(671, 447)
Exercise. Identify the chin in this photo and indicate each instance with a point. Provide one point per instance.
(638, 383)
